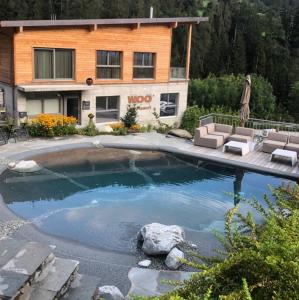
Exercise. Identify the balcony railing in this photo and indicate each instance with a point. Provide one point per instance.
(257, 124)
(177, 73)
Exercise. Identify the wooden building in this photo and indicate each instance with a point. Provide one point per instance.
(77, 67)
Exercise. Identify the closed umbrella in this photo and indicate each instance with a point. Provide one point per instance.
(245, 110)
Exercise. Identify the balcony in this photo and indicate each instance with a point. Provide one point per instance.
(177, 73)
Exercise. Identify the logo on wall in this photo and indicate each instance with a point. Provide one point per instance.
(140, 100)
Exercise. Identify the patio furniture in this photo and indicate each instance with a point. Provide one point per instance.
(286, 154)
(3, 137)
(220, 129)
(242, 148)
(242, 135)
(202, 138)
(275, 141)
(293, 143)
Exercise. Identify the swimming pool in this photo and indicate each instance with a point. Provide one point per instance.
(102, 197)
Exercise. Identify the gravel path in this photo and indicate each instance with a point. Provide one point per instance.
(10, 227)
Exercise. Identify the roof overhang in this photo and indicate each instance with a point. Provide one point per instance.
(103, 22)
(54, 87)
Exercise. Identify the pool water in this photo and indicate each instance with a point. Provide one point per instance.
(102, 197)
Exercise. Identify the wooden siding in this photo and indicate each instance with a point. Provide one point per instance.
(85, 41)
(5, 58)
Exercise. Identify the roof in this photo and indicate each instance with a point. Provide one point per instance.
(110, 22)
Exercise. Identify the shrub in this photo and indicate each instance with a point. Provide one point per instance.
(294, 100)
(227, 91)
(130, 118)
(261, 259)
(46, 125)
(117, 126)
(190, 119)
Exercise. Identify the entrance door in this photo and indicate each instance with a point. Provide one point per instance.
(72, 107)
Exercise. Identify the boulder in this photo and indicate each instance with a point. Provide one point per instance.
(181, 133)
(145, 263)
(24, 166)
(109, 292)
(104, 128)
(160, 239)
(173, 259)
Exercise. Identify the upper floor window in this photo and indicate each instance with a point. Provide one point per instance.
(54, 63)
(108, 64)
(144, 65)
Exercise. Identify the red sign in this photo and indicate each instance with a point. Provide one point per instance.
(140, 99)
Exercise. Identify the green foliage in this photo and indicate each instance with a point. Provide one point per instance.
(294, 100)
(227, 90)
(130, 118)
(191, 116)
(261, 259)
(89, 130)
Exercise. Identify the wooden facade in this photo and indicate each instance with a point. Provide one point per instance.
(6, 62)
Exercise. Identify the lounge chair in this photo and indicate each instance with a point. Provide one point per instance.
(275, 141)
(220, 129)
(202, 138)
(293, 144)
(243, 135)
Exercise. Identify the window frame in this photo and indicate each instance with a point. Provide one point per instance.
(53, 50)
(106, 105)
(153, 66)
(171, 105)
(120, 66)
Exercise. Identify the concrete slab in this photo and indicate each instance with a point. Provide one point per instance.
(9, 248)
(28, 259)
(83, 287)
(148, 282)
(10, 283)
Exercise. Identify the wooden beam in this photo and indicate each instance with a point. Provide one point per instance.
(173, 25)
(189, 39)
(93, 27)
(21, 29)
(136, 26)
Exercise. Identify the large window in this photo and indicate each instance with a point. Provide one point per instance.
(38, 103)
(168, 104)
(54, 63)
(108, 64)
(144, 65)
(107, 109)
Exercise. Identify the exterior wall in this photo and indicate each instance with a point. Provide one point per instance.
(126, 90)
(156, 39)
(5, 57)
(8, 97)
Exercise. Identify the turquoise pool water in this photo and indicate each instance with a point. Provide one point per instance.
(102, 197)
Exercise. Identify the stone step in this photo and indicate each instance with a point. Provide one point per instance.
(29, 260)
(57, 281)
(83, 287)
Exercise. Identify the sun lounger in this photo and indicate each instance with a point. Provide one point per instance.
(243, 135)
(275, 141)
(293, 143)
(220, 129)
(202, 138)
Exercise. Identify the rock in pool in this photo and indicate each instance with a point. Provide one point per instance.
(109, 292)
(24, 166)
(173, 259)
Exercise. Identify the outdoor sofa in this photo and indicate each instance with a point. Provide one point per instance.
(243, 135)
(275, 140)
(293, 144)
(202, 138)
(220, 129)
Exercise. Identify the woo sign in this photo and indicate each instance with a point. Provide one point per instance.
(139, 99)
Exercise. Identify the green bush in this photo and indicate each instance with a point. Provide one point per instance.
(294, 101)
(190, 119)
(227, 90)
(259, 261)
(130, 118)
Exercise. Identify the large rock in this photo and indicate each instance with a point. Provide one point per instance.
(173, 259)
(109, 292)
(160, 239)
(104, 128)
(24, 166)
(181, 133)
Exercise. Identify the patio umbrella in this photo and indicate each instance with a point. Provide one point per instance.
(245, 110)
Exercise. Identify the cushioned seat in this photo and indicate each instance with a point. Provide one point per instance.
(274, 141)
(293, 144)
(243, 135)
(203, 139)
(220, 129)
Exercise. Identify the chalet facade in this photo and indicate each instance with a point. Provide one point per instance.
(77, 67)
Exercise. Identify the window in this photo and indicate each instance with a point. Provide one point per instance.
(107, 109)
(108, 64)
(168, 104)
(144, 65)
(54, 63)
(38, 103)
